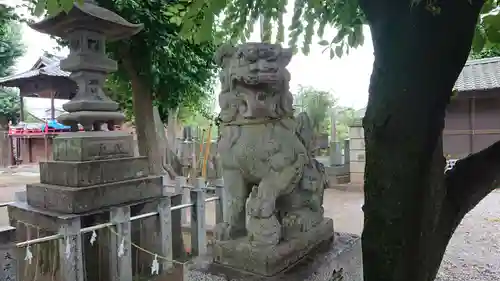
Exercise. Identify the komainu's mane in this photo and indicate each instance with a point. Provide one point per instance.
(228, 58)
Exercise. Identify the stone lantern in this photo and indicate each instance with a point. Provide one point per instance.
(96, 159)
(87, 27)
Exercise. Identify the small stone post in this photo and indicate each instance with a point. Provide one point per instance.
(8, 263)
(165, 221)
(198, 232)
(71, 251)
(120, 247)
(335, 153)
(221, 204)
(182, 183)
(347, 157)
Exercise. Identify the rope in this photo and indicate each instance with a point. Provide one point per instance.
(144, 250)
(126, 240)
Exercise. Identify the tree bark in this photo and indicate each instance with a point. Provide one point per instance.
(147, 140)
(411, 207)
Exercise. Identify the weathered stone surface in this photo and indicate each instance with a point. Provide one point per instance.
(89, 146)
(337, 261)
(274, 184)
(269, 260)
(8, 263)
(262, 145)
(85, 199)
(88, 173)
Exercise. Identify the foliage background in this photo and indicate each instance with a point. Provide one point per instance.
(11, 48)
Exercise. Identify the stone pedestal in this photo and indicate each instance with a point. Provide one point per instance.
(90, 171)
(96, 257)
(91, 174)
(340, 260)
(270, 260)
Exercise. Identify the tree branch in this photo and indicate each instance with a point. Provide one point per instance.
(472, 178)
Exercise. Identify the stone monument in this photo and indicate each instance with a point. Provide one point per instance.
(274, 185)
(96, 169)
(335, 151)
(357, 153)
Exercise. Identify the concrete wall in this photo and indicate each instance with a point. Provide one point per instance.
(356, 154)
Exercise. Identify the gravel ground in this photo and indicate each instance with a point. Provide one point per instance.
(474, 251)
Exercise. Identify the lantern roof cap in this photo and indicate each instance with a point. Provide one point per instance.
(88, 16)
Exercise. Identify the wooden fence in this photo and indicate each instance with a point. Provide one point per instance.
(71, 258)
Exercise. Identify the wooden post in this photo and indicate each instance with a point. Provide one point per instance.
(30, 150)
(165, 221)
(70, 251)
(52, 106)
(120, 247)
(8, 263)
(11, 149)
(220, 205)
(198, 232)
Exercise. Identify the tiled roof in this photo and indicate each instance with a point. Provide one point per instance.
(52, 69)
(481, 74)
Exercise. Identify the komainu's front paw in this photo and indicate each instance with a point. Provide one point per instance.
(222, 231)
(261, 207)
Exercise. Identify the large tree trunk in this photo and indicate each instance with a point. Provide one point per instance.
(411, 207)
(147, 140)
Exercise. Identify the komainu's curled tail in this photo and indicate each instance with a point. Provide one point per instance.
(314, 177)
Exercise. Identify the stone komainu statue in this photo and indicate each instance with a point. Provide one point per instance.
(274, 185)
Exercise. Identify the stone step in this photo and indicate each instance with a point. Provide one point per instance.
(89, 173)
(85, 199)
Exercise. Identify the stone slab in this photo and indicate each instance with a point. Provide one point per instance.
(340, 260)
(8, 264)
(89, 146)
(88, 173)
(357, 155)
(356, 132)
(78, 200)
(356, 144)
(51, 221)
(270, 260)
(349, 187)
(357, 178)
(336, 171)
(357, 167)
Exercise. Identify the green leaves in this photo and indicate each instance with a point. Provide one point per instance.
(345, 39)
(323, 43)
(53, 7)
(479, 39)
(11, 47)
(317, 104)
(176, 71)
(487, 35)
(309, 17)
(9, 105)
(40, 7)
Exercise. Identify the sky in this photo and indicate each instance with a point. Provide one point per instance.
(347, 77)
